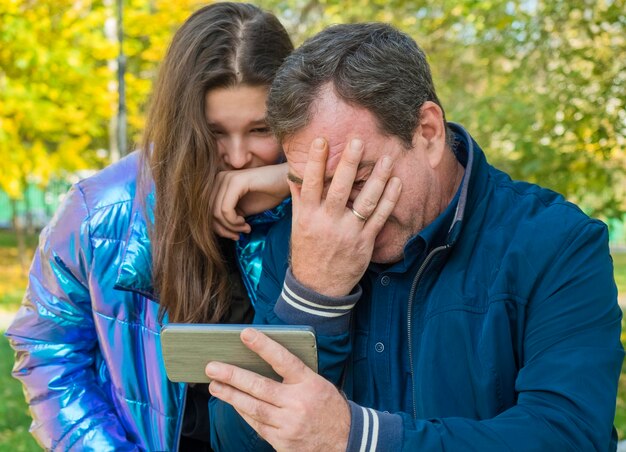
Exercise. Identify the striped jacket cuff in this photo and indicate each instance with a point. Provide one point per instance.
(372, 430)
(299, 305)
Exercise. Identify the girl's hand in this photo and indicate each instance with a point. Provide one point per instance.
(240, 193)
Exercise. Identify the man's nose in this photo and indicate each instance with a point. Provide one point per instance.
(237, 155)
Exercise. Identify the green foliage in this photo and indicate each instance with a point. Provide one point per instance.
(557, 102)
(58, 93)
(619, 264)
(52, 102)
(539, 84)
(14, 416)
(12, 278)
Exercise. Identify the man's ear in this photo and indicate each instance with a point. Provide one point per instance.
(432, 132)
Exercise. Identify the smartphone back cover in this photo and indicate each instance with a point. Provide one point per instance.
(187, 349)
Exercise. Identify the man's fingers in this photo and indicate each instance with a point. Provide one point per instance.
(267, 432)
(369, 197)
(284, 363)
(294, 189)
(385, 206)
(343, 179)
(255, 385)
(313, 177)
(248, 406)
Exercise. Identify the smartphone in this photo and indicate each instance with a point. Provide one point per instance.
(188, 348)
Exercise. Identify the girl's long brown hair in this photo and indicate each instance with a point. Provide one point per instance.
(224, 44)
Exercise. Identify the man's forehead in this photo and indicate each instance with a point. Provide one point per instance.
(338, 123)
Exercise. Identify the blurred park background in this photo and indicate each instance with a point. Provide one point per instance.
(539, 84)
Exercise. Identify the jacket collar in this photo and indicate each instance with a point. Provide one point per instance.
(475, 180)
(464, 151)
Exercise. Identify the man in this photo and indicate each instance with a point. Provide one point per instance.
(455, 309)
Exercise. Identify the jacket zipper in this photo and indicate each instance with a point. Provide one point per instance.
(418, 275)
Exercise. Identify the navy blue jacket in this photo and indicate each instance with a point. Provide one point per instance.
(499, 330)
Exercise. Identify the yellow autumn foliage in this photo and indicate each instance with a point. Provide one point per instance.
(539, 84)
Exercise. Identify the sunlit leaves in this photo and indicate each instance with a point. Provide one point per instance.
(540, 84)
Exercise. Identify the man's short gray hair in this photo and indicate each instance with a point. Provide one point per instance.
(371, 65)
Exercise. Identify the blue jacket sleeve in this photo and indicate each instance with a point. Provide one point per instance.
(55, 341)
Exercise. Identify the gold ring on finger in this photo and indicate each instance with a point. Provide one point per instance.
(359, 216)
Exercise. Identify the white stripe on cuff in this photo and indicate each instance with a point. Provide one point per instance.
(310, 311)
(366, 428)
(316, 305)
(374, 442)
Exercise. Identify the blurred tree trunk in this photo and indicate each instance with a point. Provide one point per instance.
(28, 211)
(18, 227)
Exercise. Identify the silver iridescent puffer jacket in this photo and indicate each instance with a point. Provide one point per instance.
(87, 335)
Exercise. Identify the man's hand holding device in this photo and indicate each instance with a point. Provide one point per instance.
(281, 412)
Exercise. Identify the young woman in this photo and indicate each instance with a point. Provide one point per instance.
(133, 247)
